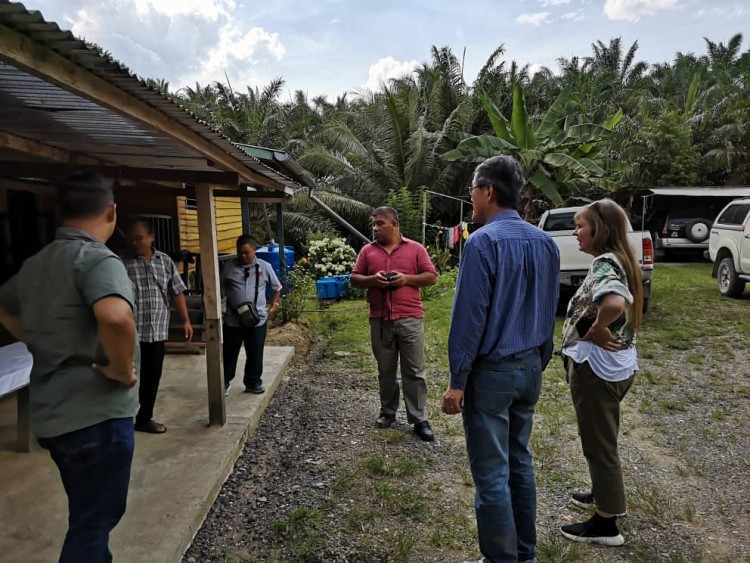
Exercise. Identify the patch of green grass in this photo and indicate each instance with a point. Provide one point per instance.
(719, 414)
(653, 503)
(454, 530)
(402, 543)
(402, 501)
(674, 405)
(384, 465)
(348, 328)
(301, 532)
(360, 518)
(392, 436)
(554, 548)
(695, 358)
(464, 473)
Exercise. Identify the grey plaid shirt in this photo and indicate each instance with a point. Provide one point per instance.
(156, 282)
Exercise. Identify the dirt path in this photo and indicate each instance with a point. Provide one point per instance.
(318, 481)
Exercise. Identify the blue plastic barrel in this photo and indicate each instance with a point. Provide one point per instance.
(270, 253)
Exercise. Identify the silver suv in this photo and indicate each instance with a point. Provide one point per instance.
(729, 247)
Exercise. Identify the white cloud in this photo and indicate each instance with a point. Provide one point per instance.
(182, 41)
(634, 10)
(553, 2)
(537, 18)
(335, 20)
(386, 68)
(733, 12)
(236, 50)
(534, 68)
(209, 10)
(574, 16)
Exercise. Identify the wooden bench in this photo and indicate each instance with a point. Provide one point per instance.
(15, 369)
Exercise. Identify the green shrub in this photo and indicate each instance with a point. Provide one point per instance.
(446, 282)
(301, 288)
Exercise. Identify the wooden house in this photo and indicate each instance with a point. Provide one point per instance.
(65, 107)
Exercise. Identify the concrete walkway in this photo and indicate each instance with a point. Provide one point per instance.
(175, 480)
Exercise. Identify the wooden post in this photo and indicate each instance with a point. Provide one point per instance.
(280, 240)
(245, 207)
(217, 414)
(461, 238)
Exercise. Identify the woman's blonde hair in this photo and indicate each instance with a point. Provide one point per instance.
(609, 233)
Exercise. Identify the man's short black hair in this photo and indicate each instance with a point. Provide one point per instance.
(244, 239)
(505, 175)
(386, 211)
(136, 220)
(84, 195)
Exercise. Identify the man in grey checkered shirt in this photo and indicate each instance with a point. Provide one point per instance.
(157, 282)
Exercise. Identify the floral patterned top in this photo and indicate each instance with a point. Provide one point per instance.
(605, 276)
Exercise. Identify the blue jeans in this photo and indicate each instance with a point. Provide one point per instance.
(94, 465)
(498, 408)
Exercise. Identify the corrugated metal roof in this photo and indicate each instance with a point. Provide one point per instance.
(34, 108)
(281, 161)
(738, 191)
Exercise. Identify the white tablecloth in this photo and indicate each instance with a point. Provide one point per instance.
(15, 367)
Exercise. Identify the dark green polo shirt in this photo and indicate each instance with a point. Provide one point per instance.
(54, 294)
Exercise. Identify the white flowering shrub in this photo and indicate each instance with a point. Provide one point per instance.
(331, 256)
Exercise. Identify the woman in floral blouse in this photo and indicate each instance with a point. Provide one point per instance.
(598, 347)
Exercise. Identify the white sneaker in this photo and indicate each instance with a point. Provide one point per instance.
(227, 387)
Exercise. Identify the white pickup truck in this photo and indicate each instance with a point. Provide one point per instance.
(574, 264)
(729, 247)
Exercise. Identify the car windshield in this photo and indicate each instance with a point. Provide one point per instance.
(560, 222)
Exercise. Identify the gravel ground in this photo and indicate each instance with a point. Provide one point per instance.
(687, 472)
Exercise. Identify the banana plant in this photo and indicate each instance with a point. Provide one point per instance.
(559, 156)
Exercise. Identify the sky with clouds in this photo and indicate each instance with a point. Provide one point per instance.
(333, 46)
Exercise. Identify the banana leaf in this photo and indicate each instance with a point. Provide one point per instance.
(520, 124)
(547, 186)
(561, 160)
(549, 127)
(499, 123)
(581, 134)
(478, 148)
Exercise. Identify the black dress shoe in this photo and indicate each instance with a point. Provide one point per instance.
(385, 420)
(423, 430)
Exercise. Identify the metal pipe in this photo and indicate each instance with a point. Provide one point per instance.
(424, 216)
(336, 217)
(294, 166)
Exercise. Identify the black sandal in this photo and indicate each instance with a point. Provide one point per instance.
(151, 427)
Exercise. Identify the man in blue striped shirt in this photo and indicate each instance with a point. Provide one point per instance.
(500, 341)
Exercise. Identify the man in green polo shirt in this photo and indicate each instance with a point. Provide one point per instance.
(72, 304)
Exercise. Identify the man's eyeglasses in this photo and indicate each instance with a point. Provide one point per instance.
(472, 188)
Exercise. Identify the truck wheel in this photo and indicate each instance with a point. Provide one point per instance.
(730, 285)
(698, 230)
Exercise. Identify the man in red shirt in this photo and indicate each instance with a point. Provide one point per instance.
(392, 269)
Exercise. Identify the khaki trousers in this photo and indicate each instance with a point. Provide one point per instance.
(403, 340)
(597, 406)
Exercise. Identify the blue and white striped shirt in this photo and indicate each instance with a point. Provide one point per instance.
(506, 294)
